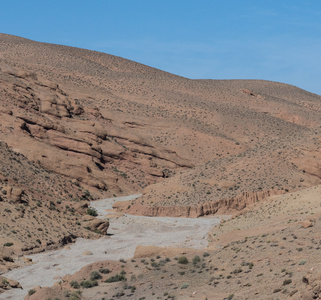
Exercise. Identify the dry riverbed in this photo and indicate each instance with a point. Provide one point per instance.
(125, 233)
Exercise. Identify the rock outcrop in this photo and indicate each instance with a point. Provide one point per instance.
(7, 284)
(96, 225)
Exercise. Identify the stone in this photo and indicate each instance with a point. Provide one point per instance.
(306, 224)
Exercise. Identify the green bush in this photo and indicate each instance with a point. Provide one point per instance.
(75, 284)
(287, 281)
(183, 260)
(196, 259)
(74, 296)
(88, 283)
(95, 275)
(92, 211)
(104, 271)
(115, 278)
(8, 244)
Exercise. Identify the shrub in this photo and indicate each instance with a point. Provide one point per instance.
(154, 264)
(115, 278)
(92, 211)
(75, 284)
(95, 275)
(8, 244)
(88, 283)
(31, 292)
(196, 259)
(287, 281)
(104, 271)
(74, 296)
(185, 286)
(183, 260)
(238, 270)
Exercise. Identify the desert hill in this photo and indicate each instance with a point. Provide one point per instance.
(120, 126)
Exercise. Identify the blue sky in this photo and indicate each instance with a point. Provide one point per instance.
(226, 39)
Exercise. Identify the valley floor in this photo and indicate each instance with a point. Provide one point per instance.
(124, 235)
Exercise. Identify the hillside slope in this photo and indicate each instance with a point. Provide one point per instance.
(117, 127)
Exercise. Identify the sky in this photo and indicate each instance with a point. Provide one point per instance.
(197, 39)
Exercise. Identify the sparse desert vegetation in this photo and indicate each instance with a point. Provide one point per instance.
(79, 125)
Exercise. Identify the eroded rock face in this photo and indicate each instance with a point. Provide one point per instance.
(80, 142)
(233, 204)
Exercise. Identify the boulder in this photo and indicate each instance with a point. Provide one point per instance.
(306, 224)
(14, 193)
(8, 284)
(97, 225)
